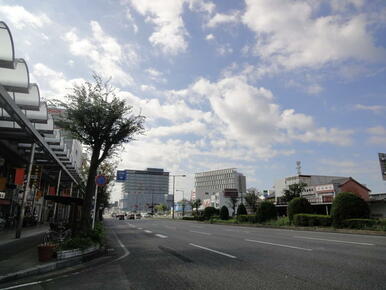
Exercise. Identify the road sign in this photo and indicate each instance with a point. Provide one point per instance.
(121, 175)
(100, 180)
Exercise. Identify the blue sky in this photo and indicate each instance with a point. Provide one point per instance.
(255, 84)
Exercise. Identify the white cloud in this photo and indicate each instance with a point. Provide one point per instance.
(374, 108)
(193, 127)
(252, 118)
(220, 18)
(20, 17)
(52, 84)
(155, 75)
(166, 15)
(209, 36)
(377, 135)
(104, 54)
(131, 20)
(177, 111)
(289, 35)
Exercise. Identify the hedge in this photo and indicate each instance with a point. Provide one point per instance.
(305, 220)
(347, 205)
(247, 218)
(358, 223)
(210, 211)
(298, 205)
(193, 218)
(265, 211)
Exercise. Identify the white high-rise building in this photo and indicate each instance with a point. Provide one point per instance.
(215, 188)
(144, 188)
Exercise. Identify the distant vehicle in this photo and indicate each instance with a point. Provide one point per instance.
(147, 215)
(131, 216)
(113, 214)
(120, 216)
(138, 216)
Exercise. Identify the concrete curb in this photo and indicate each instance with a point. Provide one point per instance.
(41, 269)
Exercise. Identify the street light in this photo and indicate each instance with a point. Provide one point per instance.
(183, 202)
(174, 186)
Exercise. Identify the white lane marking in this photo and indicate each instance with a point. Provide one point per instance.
(26, 284)
(140, 228)
(125, 250)
(147, 231)
(161, 236)
(335, 241)
(202, 233)
(214, 251)
(279, 245)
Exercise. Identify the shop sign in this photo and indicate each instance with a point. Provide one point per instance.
(2, 195)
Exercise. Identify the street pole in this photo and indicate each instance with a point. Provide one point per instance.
(95, 202)
(174, 185)
(24, 200)
(57, 194)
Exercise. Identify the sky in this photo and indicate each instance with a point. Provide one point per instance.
(254, 85)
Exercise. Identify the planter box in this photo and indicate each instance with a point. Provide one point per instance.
(46, 252)
(66, 254)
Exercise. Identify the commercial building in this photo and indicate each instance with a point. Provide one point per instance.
(216, 187)
(142, 189)
(320, 189)
(38, 165)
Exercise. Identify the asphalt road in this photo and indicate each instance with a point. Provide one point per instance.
(165, 254)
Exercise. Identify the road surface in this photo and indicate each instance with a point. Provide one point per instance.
(166, 254)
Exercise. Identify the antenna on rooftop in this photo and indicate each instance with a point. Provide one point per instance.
(299, 167)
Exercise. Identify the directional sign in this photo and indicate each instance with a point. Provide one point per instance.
(100, 180)
(121, 175)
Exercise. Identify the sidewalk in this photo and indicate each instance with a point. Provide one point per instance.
(19, 257)
(20, 254)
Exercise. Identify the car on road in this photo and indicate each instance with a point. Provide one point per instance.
(138, 216)
(131, 216)
(147, 215)
(120, 216)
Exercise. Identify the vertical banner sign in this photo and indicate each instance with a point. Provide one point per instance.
(382, 163)
(19, 176)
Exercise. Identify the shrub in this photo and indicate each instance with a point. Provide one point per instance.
(209, 212)
(265, 211)
(76, 243)
(303, 219)
(241, 210)
(298, 205)
(281, 221)
(347, 205)
(224, 213)
(189, 218)
(358, 223)
(247, 218)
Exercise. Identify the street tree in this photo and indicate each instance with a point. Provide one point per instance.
(294, 190)
(196, 204)
(233, 203)
(101, 121)
(251, 199)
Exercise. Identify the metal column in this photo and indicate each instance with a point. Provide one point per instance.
(25, 193)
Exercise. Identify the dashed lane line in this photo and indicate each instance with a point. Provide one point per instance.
(214, 251)
(278, 245)
(161, 236)
(147, 231)
(202, 233)
(336, 241)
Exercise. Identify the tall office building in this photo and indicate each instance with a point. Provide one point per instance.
(214, 188)
(143, 189)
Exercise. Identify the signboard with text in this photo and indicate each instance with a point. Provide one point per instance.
(121, 175)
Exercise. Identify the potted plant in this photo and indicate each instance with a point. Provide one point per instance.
(46, 251)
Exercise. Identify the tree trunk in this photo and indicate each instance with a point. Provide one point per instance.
(90, 191)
